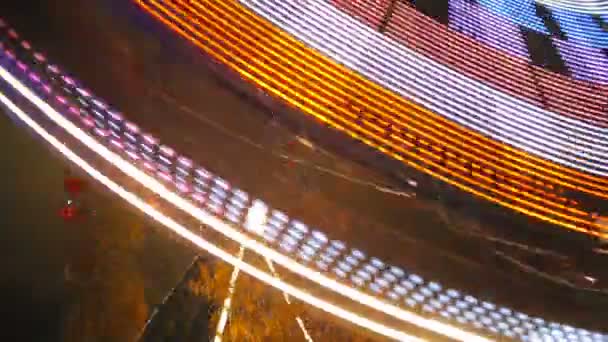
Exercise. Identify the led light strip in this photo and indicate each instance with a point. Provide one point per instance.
(497, 320)
(507, 119)
(324, 281)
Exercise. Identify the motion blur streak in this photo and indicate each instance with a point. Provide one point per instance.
(221, 324)
(230, 232)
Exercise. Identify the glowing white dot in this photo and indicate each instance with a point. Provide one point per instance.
(408, 285)
(389, 277)
(488, 305)
(377, 263)
(381, 282)
(397, 271)
(308, 251)
(416, 279)
(462, 304)
(358, 254)
(256, 217)
(301, 227)
(345, 267)
(436, 304)
(505, 311)
(434, 286)
(486, 320)
(314, 244)
(352, 260)
(453, 310)
(339, 245)
(371, 269)
(332, 251)
(400, 290)
(471, 300)
(426, 292)
(364, 275)
(496, 315)
(503, 326)
(296, 234)
(443, 298)
(280, 216)
(512, 321)
(479, 310)
(317, 235)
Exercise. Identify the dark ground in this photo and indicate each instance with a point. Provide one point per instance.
(160, 84)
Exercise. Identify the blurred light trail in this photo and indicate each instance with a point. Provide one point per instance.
(221, 324)
(213, 222)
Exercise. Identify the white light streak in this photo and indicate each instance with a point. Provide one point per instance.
(221, 324)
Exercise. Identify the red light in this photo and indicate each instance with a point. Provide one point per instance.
(68, 212)
(73, 185)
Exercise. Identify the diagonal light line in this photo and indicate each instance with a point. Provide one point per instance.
(221, 324)
(169, 222)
